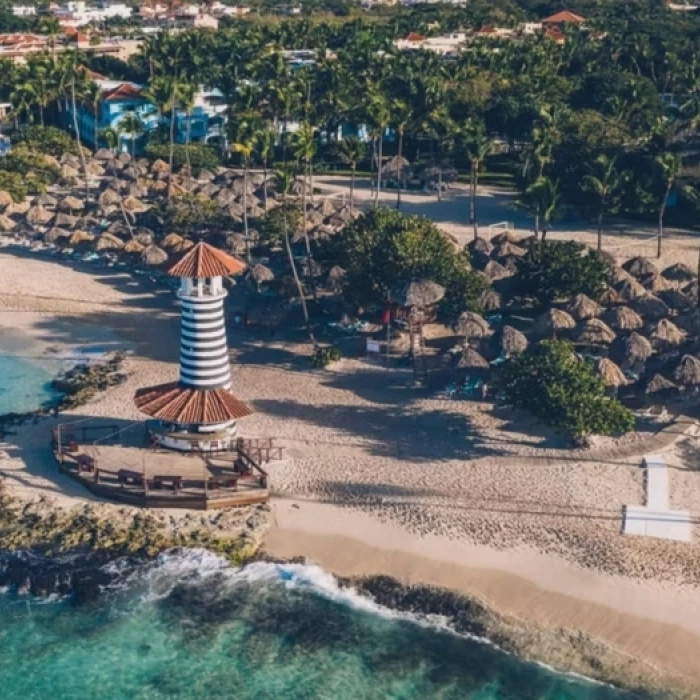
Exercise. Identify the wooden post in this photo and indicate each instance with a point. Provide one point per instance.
(698, 279)
(145, 478)
(59, 447)
(388, 326)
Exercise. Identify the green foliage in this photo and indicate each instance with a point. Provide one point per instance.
(201, 156)
(384, 249)
(14, 184)
(326, 356)
(550, 381)
(199, 215)
(35, 171)
(272, 224)
(46, 139)
(559, 270)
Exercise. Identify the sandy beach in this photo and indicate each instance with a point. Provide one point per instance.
(380, 477)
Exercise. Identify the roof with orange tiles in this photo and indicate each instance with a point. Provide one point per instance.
(180, 404)
(563, 17)
(206, 261)
(414, 36)
(125, 91)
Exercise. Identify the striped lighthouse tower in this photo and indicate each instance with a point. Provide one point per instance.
(198, 412)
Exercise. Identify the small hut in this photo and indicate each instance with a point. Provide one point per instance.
(38, 216)
(152, 255)
(70, 204)
(679, 273)
(335, 279)
(261, 274)
(640, 267)
(490, 300)
(658, 385)
(553, 322)
(109, 198)
(507, 249)
(420, 294)
(471, 360)
(6, 224)
(630, 290)
(623, 318)
(479, 245)
(632, 350)
(666, 334)
(397, 168)
(108, 242)
(171, 240)
(610, 297)
(595, 332)
(495, 271)
(616, 275)
(610, 373)
(472, 325)
(133, 246)
(66, 220)
(651, 307)
(687, 373)
(53, 235)
(582, 308)
(512, 341)
(656, 283)
(160, 167)
(47, 201)
(80, 236)
(135, 206)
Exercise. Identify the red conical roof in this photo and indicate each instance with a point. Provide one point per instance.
(203, 260)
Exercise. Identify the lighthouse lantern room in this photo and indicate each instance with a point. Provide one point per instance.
(198, 412)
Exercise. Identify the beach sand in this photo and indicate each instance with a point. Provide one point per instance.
(380, 477)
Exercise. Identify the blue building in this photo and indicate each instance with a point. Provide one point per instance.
(119, 98)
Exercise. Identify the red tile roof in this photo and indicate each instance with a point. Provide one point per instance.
(206, 261)
(180, 404)
(125, 91)
(486, 29)
(414, 36)
(564, 17)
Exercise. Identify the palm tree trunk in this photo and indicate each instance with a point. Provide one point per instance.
(187, 145)
(245, 208)
(379, 170)
(83, 162)
(352, 187)
(440, 183)
(600, 230)
(41, 114)
(472, 202)
(662, 211)
(544, 232)
(398, 172)
(171, 155)
(265, 184)
(96, 130)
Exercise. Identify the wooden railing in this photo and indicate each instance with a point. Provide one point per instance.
(261, 449)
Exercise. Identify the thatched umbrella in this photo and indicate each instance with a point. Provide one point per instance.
(145, 237)
(6, 224)
(420, 294)
(236, 243)
(659, 385)
(495, 271)
(656, 283)
(95, 169)
(336, 278)
(604, 256)
(55, 233)
(171, 240)
(506, 237)
(632, 349)
(205, 175)
(38, 216)
(133, 246)
(553, 321)
(690, 321)
(159, 186)
(616, 275)
(687, 373)
(183, 246)
(506, 249)
(610, 373)
(472, 360)
(70, 204)
(582, 308)
(479, 245)
(103, 154)
(5, 198)
(640, 267)
(135, 206)
(68, 172)
(512, 341)
(81, 236)
(667, 334)
(595, 332)
(160, 167)
(108, 242)
(65, 220)
(651, 307)
(630, 290)
(610, 297)
(490, 300)
(397, 164)
(679, 273)
(46, 200)
(623, 318)
(15, 208)
(311, 268)
(109, 198)
(153, 255)
(260, 274)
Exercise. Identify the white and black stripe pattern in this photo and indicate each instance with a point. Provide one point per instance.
(204, 362)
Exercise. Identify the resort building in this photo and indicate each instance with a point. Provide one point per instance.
(199, 412)
(79, 13)
(561, 19)
(446, 45)
(24, 10)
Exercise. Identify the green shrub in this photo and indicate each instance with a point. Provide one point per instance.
(46, 139)
(192, 214)
(272, 224)
(14, 184)
(35, 171)
(201, 156)
(326, 356)
(550, 381)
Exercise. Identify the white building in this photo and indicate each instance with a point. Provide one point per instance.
(79, 13)
(24, 10)
(446, 45)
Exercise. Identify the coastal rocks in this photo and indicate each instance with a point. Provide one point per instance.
(81, 383)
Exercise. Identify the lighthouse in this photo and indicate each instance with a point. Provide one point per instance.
(198, 412)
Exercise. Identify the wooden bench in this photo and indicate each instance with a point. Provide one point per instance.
(223, 482)
(126, 476)
(85, 464)
(161, 480)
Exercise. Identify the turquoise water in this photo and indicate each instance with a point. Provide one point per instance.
(25, 385)
(189, 627)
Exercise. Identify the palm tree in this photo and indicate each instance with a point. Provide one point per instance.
(305, 148)
(442, 130)
(264, 149)
(111, 138)
(604, 182)
(541, 201)
(187, 92)
(401, 116)
(93, 95)
(352, 151)
(669, 165)
(380, 116)
(478, 145)
(285, 180)
(131, 125)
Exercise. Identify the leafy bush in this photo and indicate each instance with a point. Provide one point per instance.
(384, 249)
(36, 172)
(46, 139)
(550, 381)
(191, 214)
(201, 156)
(14, 184)
(272, 223)
(559, 270)
(326, 356)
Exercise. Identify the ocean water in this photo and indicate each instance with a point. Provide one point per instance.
(25, 385)
(190, 627)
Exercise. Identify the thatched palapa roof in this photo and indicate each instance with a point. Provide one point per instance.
(623, 318)
(679, 273)
(610, 373)
(658, 384)
(582, 308)
(108, 242)
(667, 333)
(471, 359)
(552, 321)
(153, 255)
(420, 294)
(490, 300)
(640, 267)
(687, 372)
(595, 332)
(650, 306)
(512, 341)
(259, 273)
(632, 349)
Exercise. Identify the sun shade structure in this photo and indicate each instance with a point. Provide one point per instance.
(582, 308)
(610, 373)
(199, 412)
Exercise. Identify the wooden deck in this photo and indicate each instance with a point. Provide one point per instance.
(159, 478)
